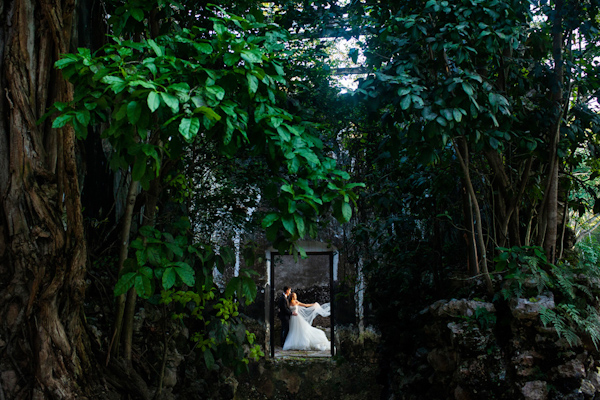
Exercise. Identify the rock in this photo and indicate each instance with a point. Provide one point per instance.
(460, 307)
(173, 361)
(587, 388)
(468, 336)
(535, 390)
(525, 361)
(594, 378)
(138, 320)
(473, 372)
(442, 360)
(461, 394)
(530, 308)
(572, 369)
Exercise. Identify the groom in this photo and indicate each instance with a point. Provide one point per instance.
(284, 312)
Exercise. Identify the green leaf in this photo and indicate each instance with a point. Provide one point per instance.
(134, 110)
(447, 114)
(205, 48)
(171, 101)
(252, 56)
(309, 155)
(186, 275)
(252, 83)
(177, 250)
(346, 211)
(153, 101)
(137, 14)
(188, 127)
(61, 120)
(468, 88)
(217, 91)
(278, 68)
(284, 133)
(494, 143)
(124, 283)
(143, 285)
(209, 359)
(288, 224)
(63, 62)
(209, 112)
(155, 47)
(231, 58)
(112, 80)
(405, 102)
(300, 225)
(269, 220)
(457, 114)
(219, 28)
(83, 116)
(249, 289)
(139, 168)
(168, 278)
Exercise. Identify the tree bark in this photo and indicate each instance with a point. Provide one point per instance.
(461, 142)
(43, 256)
(551, 204)
(114, 347)
(509, 198)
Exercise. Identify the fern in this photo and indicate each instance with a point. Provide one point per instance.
(573, 316)
(584, 289)
(559, 323)
(565, 283)
(592, 326)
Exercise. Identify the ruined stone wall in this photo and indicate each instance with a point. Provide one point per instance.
(351, 376)
(469, 350)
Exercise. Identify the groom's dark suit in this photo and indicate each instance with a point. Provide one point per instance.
(284, 315)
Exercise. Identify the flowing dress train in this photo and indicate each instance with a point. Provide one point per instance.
(303, 336)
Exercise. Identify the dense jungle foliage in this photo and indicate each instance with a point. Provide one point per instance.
(145, 143)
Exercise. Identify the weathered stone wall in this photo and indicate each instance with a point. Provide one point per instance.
(468, 350)
(351, 375)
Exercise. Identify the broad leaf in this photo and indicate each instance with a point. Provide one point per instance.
(171, 101)
(168, 278)
(269, 220)
(124, 283)
(153, 101)
(188, 127)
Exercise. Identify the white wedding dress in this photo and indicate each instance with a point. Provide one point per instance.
(302, 335)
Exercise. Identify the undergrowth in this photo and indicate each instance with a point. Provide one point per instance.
(573, 282)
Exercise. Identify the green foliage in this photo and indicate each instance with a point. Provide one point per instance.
(485, 318)
(481, 72)
(526, 270)
(575, 314)
(170, 270)
(221, 90)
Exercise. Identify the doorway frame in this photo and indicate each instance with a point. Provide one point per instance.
(271, 308)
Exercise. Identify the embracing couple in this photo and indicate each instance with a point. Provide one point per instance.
(297, 332)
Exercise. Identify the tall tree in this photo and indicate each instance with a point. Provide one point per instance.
(491, 79)
(43, 255)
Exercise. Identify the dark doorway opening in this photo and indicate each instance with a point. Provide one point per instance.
(312, 279)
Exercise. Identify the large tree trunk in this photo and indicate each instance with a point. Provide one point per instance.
(551, 195)
(43, 344)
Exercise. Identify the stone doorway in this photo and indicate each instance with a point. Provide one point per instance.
(313, 280)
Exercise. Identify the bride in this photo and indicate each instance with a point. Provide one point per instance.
(302, 335)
